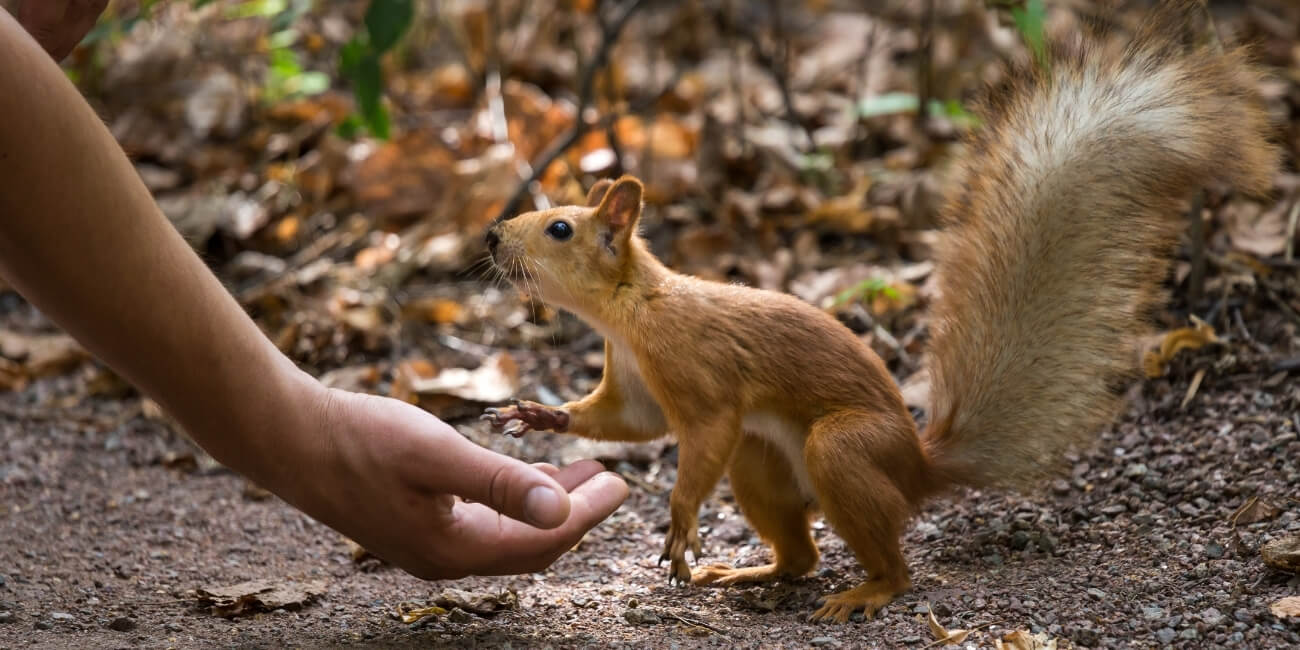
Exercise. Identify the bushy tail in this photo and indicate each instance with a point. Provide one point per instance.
(1062, 219)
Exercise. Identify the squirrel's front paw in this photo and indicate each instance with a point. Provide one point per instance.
(680, 537)
(521, 417)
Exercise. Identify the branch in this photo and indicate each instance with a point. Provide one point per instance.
(610, 31)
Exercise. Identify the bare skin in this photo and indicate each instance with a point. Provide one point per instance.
(82, 239)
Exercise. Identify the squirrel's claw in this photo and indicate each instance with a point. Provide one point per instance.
(522, 416)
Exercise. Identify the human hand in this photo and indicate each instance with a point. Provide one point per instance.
(384, 473)
(58, 25)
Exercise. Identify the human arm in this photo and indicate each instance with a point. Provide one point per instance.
(82, 239)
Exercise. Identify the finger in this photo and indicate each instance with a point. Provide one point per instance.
(80, 17)
(511, 487)
(577, 473)
(504, 546)
(550, 470)
(43, 21)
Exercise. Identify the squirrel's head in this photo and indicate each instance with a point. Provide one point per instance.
(571, 255)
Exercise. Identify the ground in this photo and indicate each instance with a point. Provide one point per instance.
(361, 257)
(1134, 545)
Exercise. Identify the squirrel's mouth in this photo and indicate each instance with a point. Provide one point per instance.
(504, 265)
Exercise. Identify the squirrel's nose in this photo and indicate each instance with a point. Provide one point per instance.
(492, 240)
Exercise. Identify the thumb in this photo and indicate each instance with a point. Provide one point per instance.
(511, 487)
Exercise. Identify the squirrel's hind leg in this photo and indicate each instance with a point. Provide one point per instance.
(769, 496)
(863, 502)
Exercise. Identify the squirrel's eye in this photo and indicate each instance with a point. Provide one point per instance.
(560, 230)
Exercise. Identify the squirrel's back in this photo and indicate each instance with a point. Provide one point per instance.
(1061, 221)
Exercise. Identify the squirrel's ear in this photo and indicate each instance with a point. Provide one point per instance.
(597, 192)
(621, 205)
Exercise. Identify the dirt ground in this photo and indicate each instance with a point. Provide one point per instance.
(107, 525)
(111, 523)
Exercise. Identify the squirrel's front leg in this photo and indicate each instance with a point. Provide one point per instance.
(702, 457)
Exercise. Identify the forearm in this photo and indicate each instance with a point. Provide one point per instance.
(82, 239)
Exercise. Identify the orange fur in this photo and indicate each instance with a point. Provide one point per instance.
(1061, 229)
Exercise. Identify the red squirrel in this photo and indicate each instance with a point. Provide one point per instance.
(1060, 226)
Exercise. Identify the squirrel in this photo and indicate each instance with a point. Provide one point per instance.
(1060, 228)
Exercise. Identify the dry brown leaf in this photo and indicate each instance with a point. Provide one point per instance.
(259, 596)
(1023, 640)
(433, 310)
(1254, 231)
(1155, 362)
(449, 600)
(407, 373)
(1254, 510)
(1288, 607)
(357, 551)
(495, 381)
(943, 635)
(352, 378)
(1283, 554)
(42, 355)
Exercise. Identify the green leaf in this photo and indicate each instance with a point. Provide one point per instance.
(310, 83)
(888, 104)
(954, 112)
(1029, 21)
(256, 8)
(386, 21)
(282, 39)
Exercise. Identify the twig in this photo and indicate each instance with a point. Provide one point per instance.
(768, 62)
(925, 71)
(1281, 304)
(695, 623)
(1193, 387)
(610, 32)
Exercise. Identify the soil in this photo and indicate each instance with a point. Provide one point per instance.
(110, 522)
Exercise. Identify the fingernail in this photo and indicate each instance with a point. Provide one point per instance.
(544, 507)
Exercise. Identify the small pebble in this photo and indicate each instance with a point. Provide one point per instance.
(1166, 635)
(1214, 551)
(821, 641)
(7, 618)
(1212, 617)
(636, 616)
(61, 616)
(122, 624)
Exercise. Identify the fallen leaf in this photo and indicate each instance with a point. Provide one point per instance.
(1023, 640)
(407, 374)
(1155, 362)
(433, 310)
(482, 604)
(1254, 231)
(942, 635)
(1283, 554)
(416, 615)
(41, 355)
(352, 378)
(1254, 510)
(357, 551)
(496, 380)
(258, 596)
(1288, 607)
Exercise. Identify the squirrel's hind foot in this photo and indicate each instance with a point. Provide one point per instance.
(868, 597)
(726, 575)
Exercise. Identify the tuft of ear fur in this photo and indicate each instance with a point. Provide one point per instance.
(621, 205)
(597, 192)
